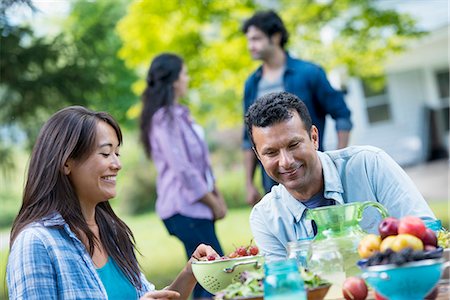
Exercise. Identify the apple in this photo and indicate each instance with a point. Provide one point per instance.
(412, 225)
(429, 238)
(354, 288)
(388, 227)
(387, 242)
(403, 241)
(368, 245)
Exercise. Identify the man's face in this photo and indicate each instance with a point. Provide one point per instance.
(288, 154)
(259, 44)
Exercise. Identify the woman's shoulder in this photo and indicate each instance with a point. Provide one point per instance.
(35, 232)
(44, 230)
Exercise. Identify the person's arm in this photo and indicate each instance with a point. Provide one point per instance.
(267, 242)
(250, 161)
(395, 190)
(182, 286)
(185, 281)
(215, 201)
(333, 103)
(343, 138)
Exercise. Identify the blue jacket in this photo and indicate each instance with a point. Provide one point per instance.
(309, 82)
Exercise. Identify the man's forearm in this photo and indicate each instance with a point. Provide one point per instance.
(343, 139)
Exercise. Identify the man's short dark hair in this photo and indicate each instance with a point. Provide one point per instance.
(274, 108)
(269, 23)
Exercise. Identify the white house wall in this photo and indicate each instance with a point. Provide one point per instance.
(411, 86)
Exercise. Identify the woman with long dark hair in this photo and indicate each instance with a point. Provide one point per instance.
(67, 242)
(188, 201)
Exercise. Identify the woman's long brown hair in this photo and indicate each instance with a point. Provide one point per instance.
(71, 134)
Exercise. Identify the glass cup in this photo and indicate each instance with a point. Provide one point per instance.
(283, 281)
(327, 262)
(299, 250)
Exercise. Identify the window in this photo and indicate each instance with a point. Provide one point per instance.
(442, 79)
(443, 84)
(377, 101)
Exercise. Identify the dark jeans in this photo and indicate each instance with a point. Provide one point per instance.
(193, 232)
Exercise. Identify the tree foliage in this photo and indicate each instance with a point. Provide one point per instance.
(79, 66)
(207, 34)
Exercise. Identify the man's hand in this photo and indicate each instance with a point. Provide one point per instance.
(253, 196)
(161, 295)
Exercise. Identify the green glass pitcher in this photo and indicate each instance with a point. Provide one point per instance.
(339, 224)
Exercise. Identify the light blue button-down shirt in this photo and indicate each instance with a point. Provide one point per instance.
(353, 174)
(48, 261)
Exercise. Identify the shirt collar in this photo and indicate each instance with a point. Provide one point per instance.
(289, 66)
(332, 181)
(332, 188)
(296, 207)
(54, 219)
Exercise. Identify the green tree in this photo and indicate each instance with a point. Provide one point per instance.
(207, 34)
(79, 66)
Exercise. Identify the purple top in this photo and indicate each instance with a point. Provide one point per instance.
(182, 162)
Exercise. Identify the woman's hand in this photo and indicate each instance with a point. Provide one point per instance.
(203, 251)
(161, 295)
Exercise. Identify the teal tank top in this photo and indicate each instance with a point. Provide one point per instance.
(116, 284)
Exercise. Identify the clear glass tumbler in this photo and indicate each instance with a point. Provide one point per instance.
(299, 250)
(327, 262)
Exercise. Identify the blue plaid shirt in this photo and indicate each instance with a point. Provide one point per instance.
(48, 261)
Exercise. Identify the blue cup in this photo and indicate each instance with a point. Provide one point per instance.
(283, 281)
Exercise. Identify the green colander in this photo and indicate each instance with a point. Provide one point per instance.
(216, 275)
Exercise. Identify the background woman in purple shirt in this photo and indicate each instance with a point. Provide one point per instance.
(188, 201)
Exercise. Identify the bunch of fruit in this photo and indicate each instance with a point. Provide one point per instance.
(398, 234)
(444, 238)
(403, 256)
(241, 251)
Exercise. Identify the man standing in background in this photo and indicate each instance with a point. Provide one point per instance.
(267, 37)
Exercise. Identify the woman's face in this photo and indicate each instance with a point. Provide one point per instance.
(94, 179)
(181, 84)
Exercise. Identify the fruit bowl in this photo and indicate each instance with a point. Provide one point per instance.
(410, 281)
(216, 275)
(317, 293)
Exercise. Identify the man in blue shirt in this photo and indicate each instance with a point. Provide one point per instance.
(286, 143)
(267, 37)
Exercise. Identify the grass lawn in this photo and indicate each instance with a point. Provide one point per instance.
(163, 256)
